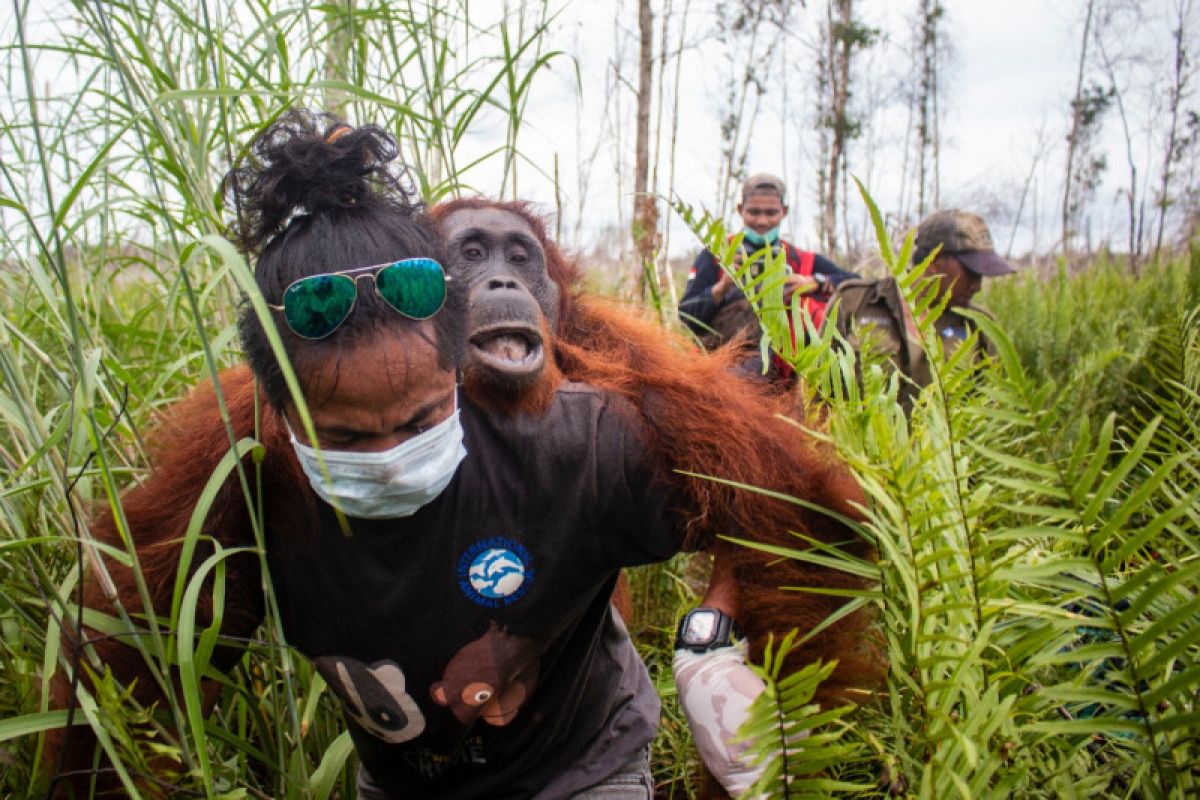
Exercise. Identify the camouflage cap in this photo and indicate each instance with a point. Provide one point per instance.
(965, 236)
(764, 182)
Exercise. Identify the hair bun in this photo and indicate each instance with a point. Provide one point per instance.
(311, 163)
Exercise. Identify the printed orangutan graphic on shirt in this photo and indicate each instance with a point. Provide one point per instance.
(490, 678)
(374, 697)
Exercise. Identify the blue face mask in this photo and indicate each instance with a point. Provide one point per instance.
(761, 239)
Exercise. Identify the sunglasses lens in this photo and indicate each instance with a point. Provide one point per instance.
(315, 306)
(416, 287)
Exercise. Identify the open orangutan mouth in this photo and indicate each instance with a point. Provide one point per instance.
(509, 348)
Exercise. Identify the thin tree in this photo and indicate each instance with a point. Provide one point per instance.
(841, 36)
(1089, 164)
(662, 264)
(616, 124)
(645, 209)
(930, 14)
(1176, 94)
(1039, 151)
(1135, 209)
(1076, 133)
(339, 26)
(1187, 198)
(751, 32)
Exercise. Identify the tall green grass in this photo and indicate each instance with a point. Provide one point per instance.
(113, 304)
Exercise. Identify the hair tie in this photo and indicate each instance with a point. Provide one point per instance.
(337, 133)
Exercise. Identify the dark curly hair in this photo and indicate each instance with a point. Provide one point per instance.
(314, 195)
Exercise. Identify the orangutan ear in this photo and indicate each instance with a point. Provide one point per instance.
(438, 693)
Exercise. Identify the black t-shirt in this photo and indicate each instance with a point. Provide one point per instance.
(472, 644)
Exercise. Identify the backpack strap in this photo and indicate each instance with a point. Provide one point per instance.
(807, 260)
(801, 262)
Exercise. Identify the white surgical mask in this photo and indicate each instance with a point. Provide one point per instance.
(389, 483)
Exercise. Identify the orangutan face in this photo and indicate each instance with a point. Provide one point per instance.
(513, 301)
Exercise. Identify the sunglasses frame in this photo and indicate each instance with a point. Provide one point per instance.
(368, 272)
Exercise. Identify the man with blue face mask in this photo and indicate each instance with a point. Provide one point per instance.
(714, 308)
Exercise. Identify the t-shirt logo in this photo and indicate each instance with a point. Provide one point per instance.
(495, 572)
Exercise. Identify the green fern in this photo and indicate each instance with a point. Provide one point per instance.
(1038, 575)
(797, 743)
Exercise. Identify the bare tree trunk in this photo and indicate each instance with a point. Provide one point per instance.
(616, 121)
(558, 202)
(668, 299)
(1034, 238)
(1030, 181)
(586, 162)
(824, 73)
(902, 203)
(927, 55)
(751, 64)
(339, 25)
(840, 46)
(1076, 129)
(645, 209)
(1131, 191)
(675, 122)
(841, 35)
(1176, 94)
(935, 143)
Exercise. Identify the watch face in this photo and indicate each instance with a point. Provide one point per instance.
(701, 627)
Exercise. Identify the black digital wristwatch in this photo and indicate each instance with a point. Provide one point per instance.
(704, 629)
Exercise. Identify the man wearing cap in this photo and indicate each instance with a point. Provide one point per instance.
(873, 310)
(713, 307)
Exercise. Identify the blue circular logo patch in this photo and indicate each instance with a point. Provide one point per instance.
(495, 572)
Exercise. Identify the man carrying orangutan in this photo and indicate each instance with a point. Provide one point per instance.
(508, 502)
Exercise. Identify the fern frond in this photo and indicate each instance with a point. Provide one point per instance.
(796, 742)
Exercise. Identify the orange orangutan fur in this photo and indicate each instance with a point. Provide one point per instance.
(715, 429)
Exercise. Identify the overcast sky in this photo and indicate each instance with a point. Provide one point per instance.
(1011, 75)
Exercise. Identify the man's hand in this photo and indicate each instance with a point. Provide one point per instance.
(722, 286)
(794, 283)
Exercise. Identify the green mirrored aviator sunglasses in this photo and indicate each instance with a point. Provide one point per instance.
(316, 306)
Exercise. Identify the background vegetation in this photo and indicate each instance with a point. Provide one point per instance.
(1037, 520)
(1037, 529)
